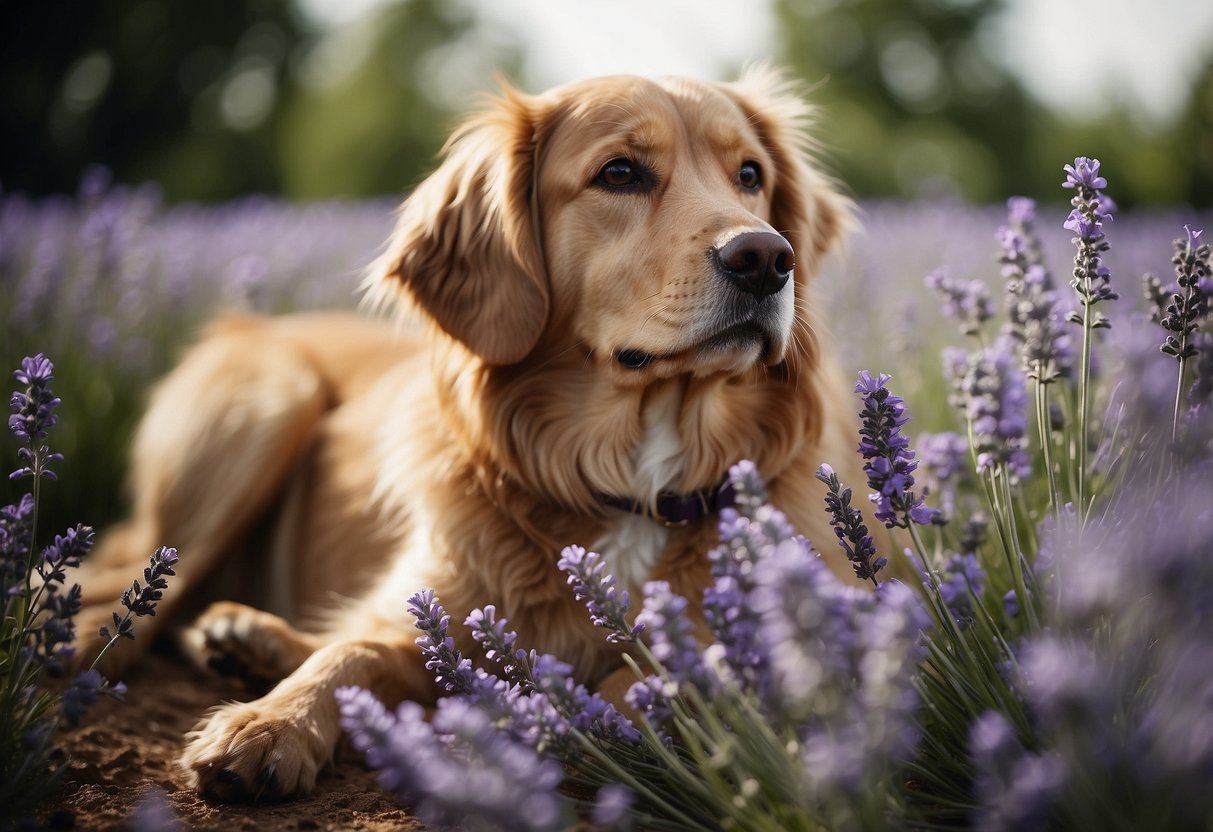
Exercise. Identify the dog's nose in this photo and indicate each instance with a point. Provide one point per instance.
(757, 262)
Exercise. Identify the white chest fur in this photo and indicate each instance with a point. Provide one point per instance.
(632, 543)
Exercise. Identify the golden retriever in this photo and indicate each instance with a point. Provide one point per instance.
(610, 290)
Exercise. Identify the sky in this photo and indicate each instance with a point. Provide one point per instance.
(1072, 54)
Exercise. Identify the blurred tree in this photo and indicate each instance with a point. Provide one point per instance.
(1194, 155)
(375, 99)
(128, 83)
(914, 104)
(226, 97)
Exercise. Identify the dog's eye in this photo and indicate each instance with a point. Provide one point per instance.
(620, 173)
(750, 176)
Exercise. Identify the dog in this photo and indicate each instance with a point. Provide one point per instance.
(605, 291)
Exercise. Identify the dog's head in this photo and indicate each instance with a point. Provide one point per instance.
(660, 226)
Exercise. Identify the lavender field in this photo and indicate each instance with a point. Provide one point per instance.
(1042, 437)
(112, 283)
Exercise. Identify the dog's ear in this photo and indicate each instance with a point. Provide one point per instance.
(465, 249)
(806, 205)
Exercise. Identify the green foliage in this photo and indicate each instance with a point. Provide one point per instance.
(224, 98)
(132, 84)
(218, 99)
(38, 629)
(916, 105)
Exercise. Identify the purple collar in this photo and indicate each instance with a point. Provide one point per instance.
(677, 509)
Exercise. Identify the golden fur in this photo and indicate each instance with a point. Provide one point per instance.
(352, 462)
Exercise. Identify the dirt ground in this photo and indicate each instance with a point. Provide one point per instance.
(125, 750)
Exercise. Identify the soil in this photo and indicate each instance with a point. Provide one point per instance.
(126, 751)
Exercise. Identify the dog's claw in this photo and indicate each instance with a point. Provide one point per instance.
(267, 782)
(226, 786)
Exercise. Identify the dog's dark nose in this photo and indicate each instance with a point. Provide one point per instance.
(758, 262)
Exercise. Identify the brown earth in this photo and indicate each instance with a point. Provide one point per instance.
(126, 750)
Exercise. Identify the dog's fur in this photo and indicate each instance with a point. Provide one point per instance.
(463, 452)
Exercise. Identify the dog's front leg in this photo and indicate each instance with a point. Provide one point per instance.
(274, 746)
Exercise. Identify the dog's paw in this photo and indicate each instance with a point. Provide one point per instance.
(237, 640)
(255, 751)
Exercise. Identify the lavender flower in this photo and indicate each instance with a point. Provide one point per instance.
(806, 616)
(944, 465)
(1021, 214)
(1186, 308)
(1189, 305)
(1157, 297)
(890, 462)
(1010, 603)
(748, 533)
(612, 804)
(1084, 175)
(1015, 790)
(735, 628)
(944, 456)
(64, 553)
(804, 612)
(608, 608)
(995, 402)
(34, 415)
(451, 670)
(1128, 647)
(142, 600)
(673, 644)
(38, 627)
(1034, 317)
(84, 691)
(392, 743)
(841, 660)
(1091, 283)
(498, 644)
(1091, 210)
(496, 782)
(1068, 685)
(15, 530)
(967, 303)
(55, 630)
(671, 635)
(538, 704)
(460, 772)
(963, 580)
(651, 697)
(530, 718)
(893, 637)
(33, 409)
(587, 712)
(849, 527)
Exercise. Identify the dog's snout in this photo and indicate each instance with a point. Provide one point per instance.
(757, 262)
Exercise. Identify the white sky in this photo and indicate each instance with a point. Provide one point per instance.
(1142, 51)
(1071, 53)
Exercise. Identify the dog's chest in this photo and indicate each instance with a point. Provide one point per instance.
(632, 543)
(631, 546)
